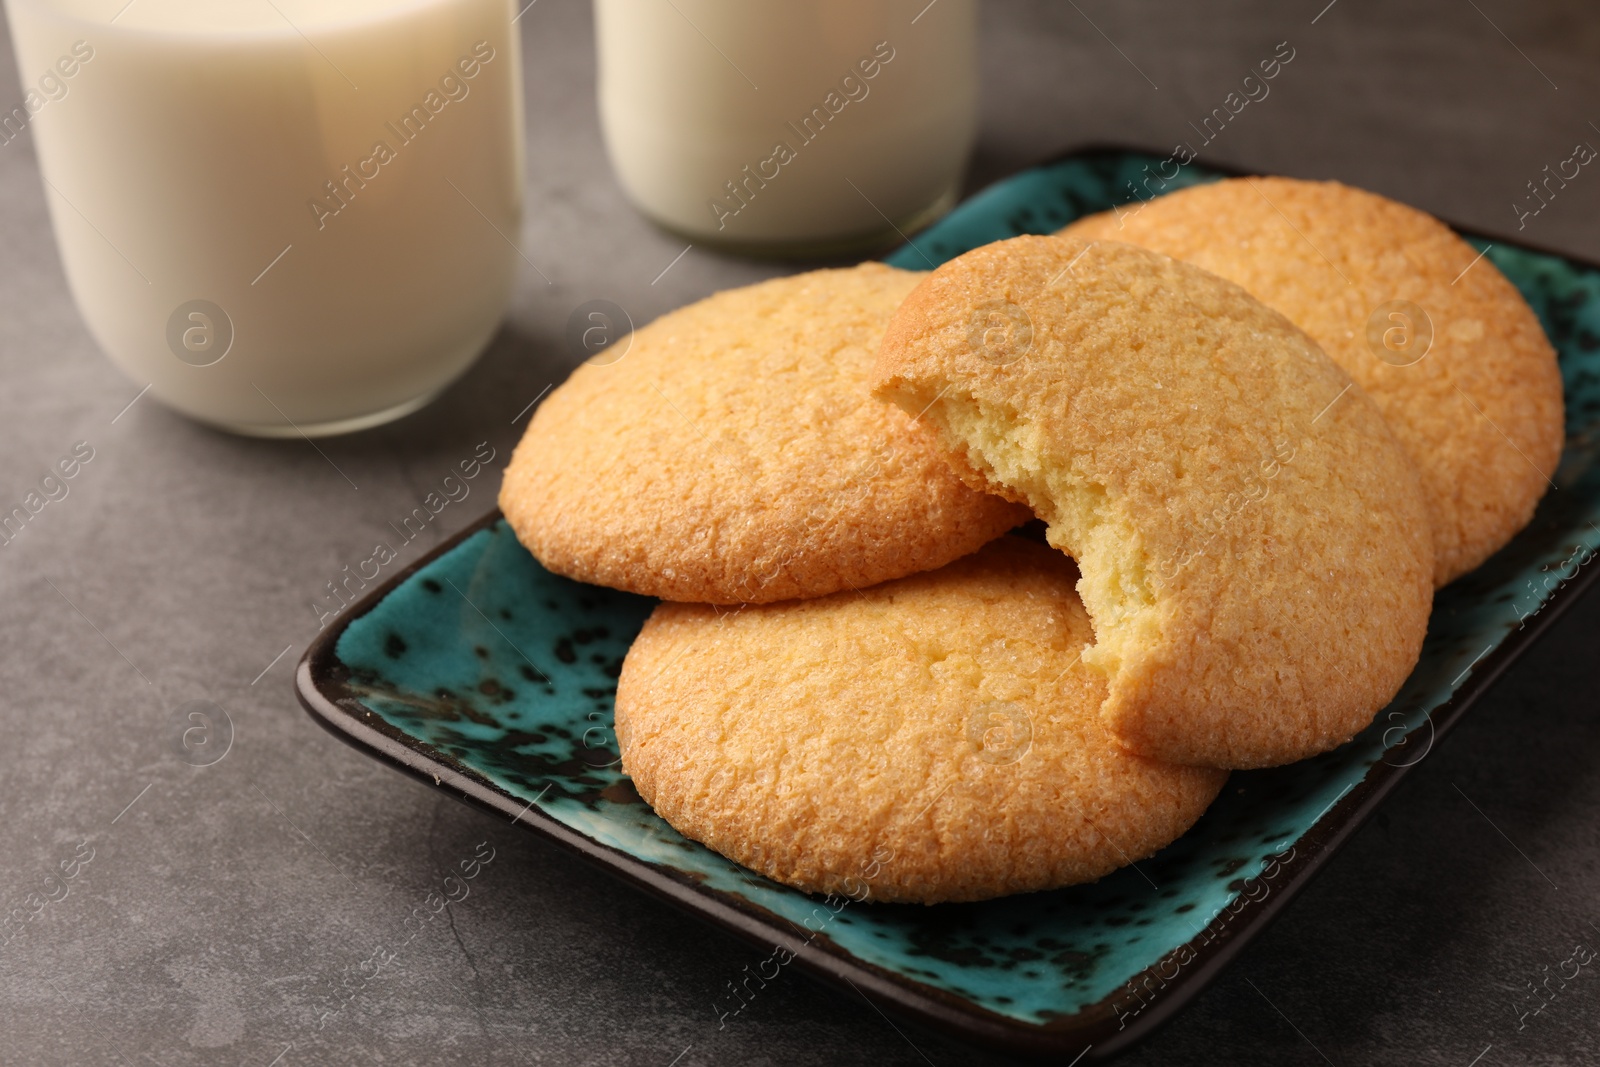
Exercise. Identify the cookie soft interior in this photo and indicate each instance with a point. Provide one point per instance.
(1003, 449)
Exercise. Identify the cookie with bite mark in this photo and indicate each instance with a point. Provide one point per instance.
(1255, 550)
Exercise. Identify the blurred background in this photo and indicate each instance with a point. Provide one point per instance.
(184, 564)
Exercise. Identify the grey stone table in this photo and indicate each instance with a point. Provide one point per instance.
(221, 901)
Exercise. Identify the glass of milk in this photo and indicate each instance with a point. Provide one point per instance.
(281, 216)
(777, 127)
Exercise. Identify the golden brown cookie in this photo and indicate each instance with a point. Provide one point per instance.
(1471, 391)
(933, 738)
(734, 454)
(1255, 554)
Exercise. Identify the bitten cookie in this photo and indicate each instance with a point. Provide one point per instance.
(1255, 555)
(930, 739)
(1472, 391)
(733, 454)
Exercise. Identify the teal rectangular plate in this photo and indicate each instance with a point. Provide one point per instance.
(485, 675)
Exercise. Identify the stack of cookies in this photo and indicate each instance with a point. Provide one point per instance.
(1246, 506)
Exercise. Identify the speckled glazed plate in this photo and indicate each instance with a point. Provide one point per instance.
(482, 673)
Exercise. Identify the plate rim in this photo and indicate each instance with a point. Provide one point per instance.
(320, 686)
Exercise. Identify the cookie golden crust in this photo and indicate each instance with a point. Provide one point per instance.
(734, 454)
(1480, 414)
(930, 739)
(1255, 554)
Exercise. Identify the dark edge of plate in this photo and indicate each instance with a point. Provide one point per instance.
(320, 685)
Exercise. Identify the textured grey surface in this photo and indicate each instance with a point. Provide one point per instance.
(221, 908)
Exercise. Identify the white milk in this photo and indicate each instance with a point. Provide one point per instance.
(341, 178)
(777, 125)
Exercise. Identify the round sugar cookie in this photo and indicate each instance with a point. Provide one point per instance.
(1255, 555)
(734, 454)
(1470, 386)
(930, 739)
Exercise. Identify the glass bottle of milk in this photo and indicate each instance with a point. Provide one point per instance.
(784, 127)
(282, 216)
